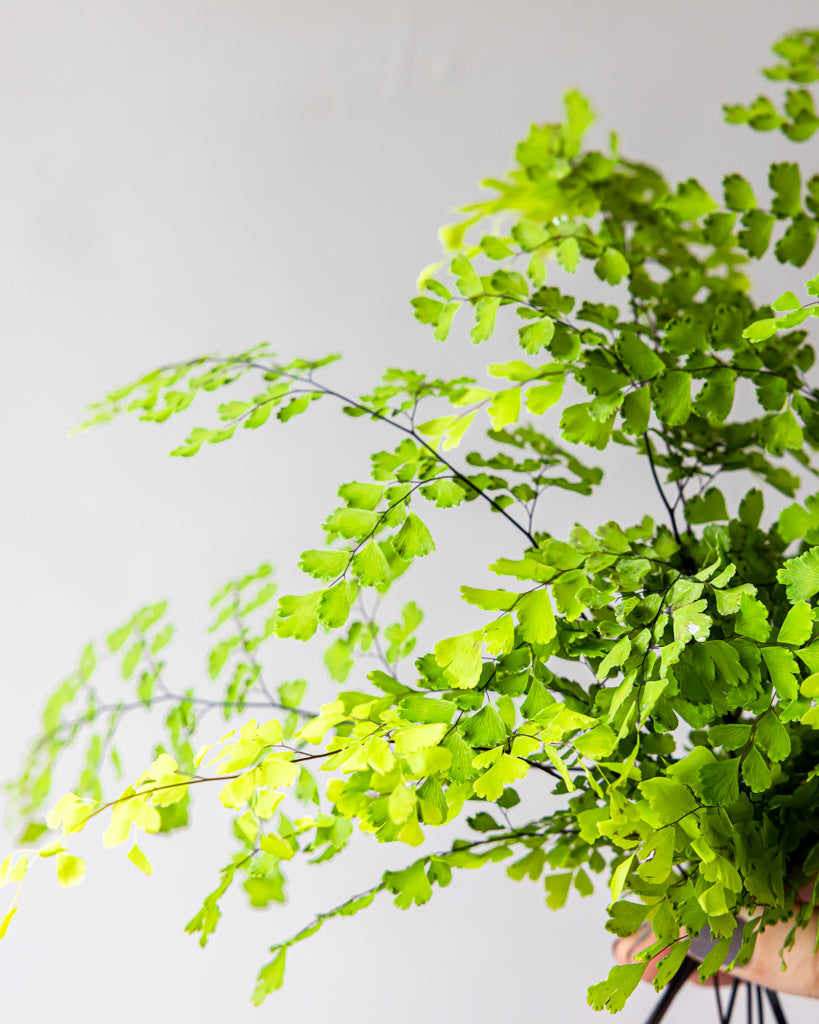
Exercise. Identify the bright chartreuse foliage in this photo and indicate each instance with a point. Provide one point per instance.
(660, 675)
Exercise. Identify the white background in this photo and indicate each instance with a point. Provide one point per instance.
(184, 177)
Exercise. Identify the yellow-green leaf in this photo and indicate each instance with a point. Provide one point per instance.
(136, 856)
(70, 870)
(461, 657)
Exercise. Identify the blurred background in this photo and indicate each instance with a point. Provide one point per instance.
(192, 177)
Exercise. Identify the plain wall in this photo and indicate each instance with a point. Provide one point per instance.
(185, 177)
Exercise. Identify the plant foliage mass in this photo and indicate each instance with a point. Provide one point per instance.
(659, 676)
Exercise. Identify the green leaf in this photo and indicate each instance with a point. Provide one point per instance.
(615, 658)
(516, 370)
(334, 604)
(6, 920)
(543, 396)
(467, 280)
(691, 622)
(784, 670)
(118, 638)
(132, 659)
(756, 232)
(612, 266)
(761, 330)
(637, 358)
(351, 523)
(738, 193)
(690, 202)
(536, 335)
(706, 508)
(413, 540)
(460, 657)
(625, 918)
(490, 600)
(713, 901)
(580, 427)
(685, 334)
(579, 117)
(371, 566)
(557, 889)
(137, 857)
(494, 248)
(636, 410)
(719, 228)
(798, 242)
(661, 846)
(290, 694)
(771, 392)
(596, 744)
(794, 522)
(671, 392)
(786, 183)
(752, 619)
(445, 493)
(537, 698)
(810, 656)
(70, 870)
(409, 886)
(716, 399)
(670, 964)
(462, 754)
(427, 710)
(504, 771)
(719, 782)
(270, 978)
(786, 301)
(750, 512)
(485, 729)
(33, 831)
(772, 737)
(535, 269)
(324, 565)
(427, 310)
(357, 495)
(504, 408)
(612, 993)
(755, 772)
(801, 576)
(730, 737)
(485, 312)
(536, 620)
(668, 798)
(298, 615)
(568, 254)
(798, 625)
(447, 315)
(510, 283)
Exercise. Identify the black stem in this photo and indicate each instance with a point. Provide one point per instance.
(410, 431)
(684, 972)
(668, 507)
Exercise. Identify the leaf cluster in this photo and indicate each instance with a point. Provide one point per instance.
(660, 677)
